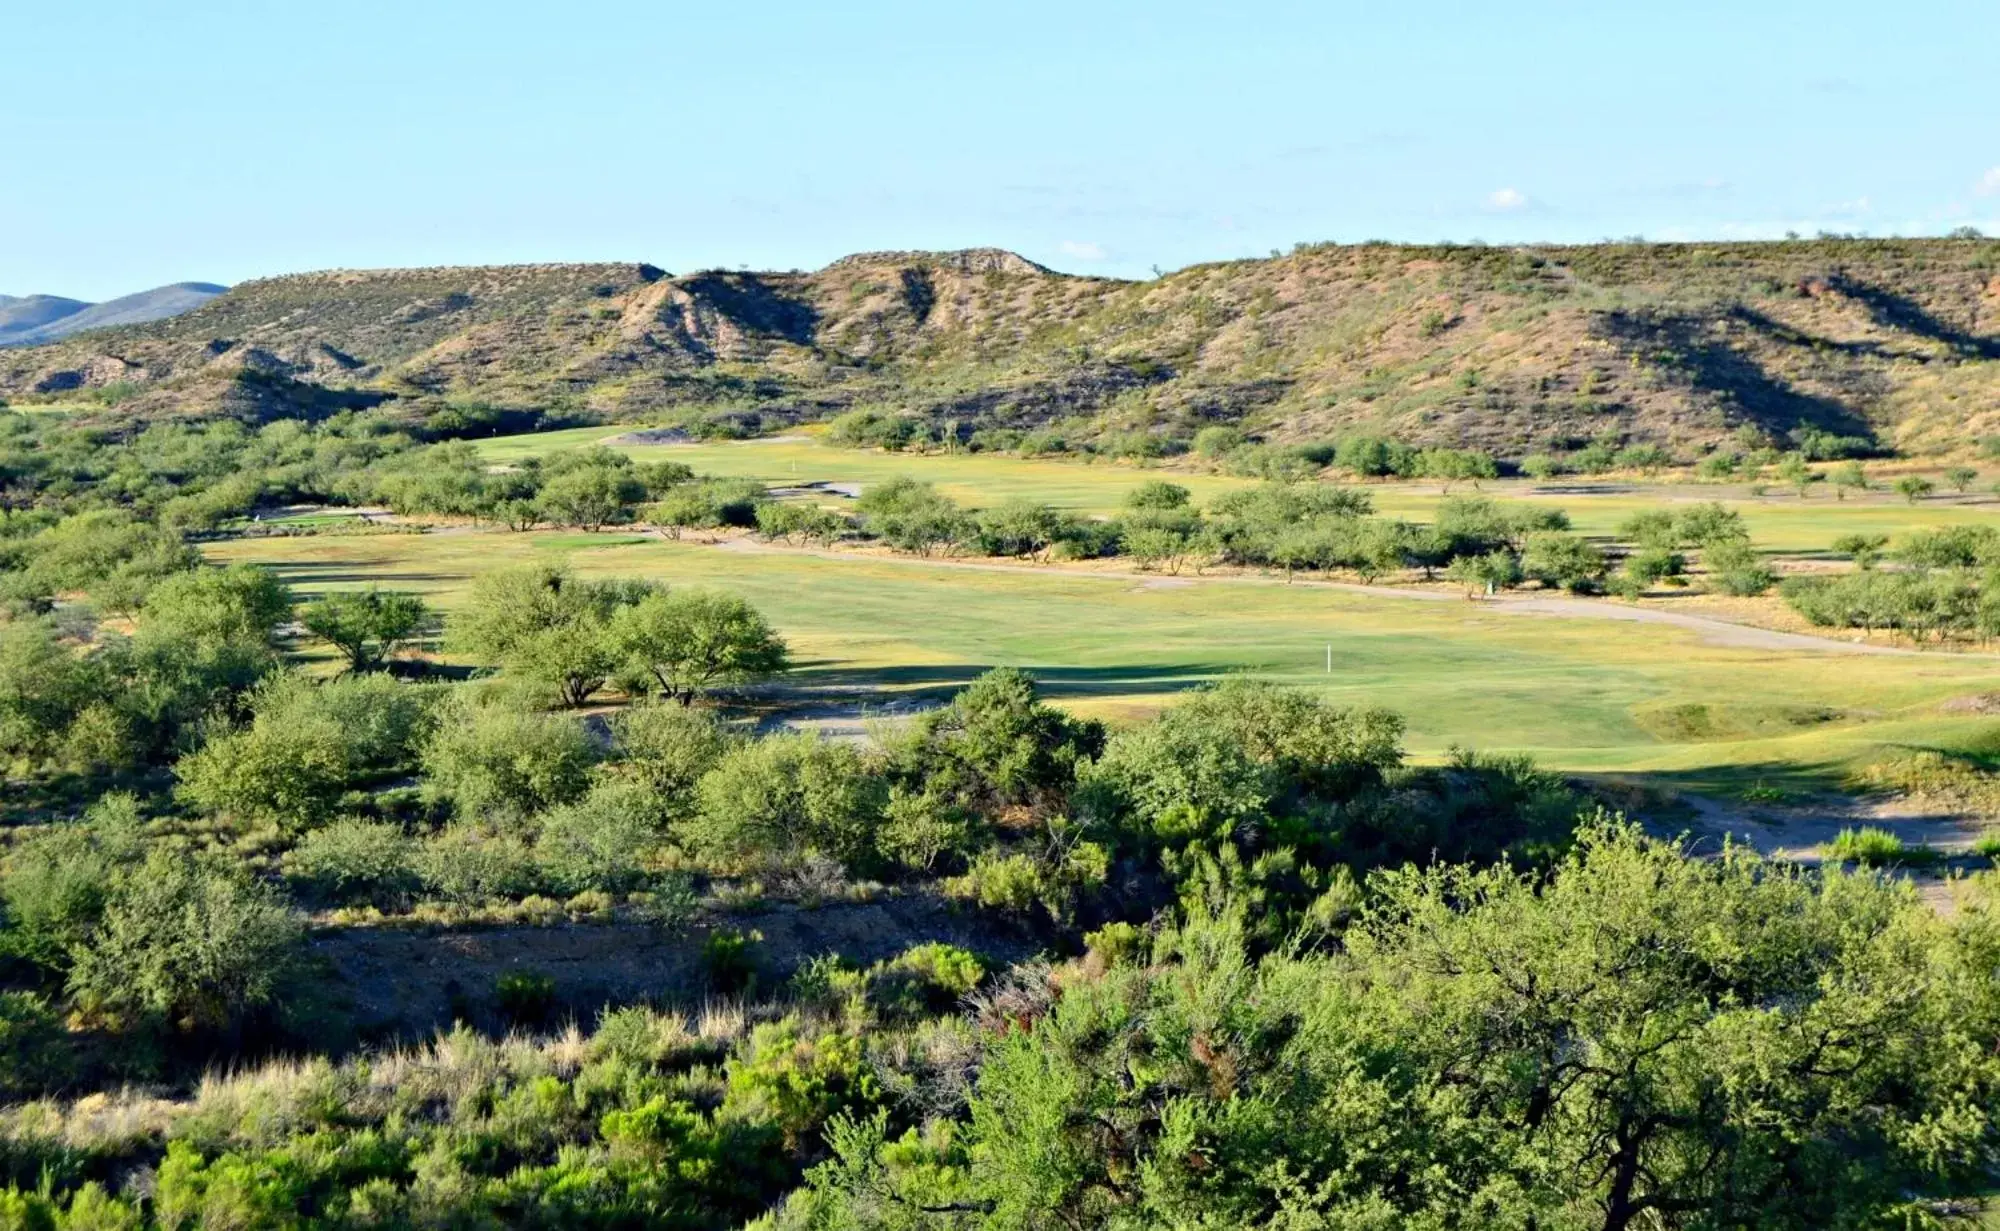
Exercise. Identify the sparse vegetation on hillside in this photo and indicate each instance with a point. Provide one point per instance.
(1673, 350)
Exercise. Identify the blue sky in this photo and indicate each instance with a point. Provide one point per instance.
(143, 143)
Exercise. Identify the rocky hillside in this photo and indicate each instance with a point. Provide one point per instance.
(1511, 348)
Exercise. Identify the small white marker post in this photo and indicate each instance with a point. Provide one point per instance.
(1329, 658)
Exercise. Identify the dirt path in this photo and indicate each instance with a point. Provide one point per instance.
(1711, 630)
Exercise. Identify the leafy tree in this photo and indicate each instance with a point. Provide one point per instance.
(589, 497)
(1456, 466)
(1496, 570)
(367, 625)
(1960, 478)
(1795, 472)
(913, 516)
(1375, 457)
(543, 624)
(1849, 475)
(997, 744)
(1655, 529)
(241, 604)
(1914, 487)
(1021, 528)
(1570, 561)
(1864, 549)
(684, 643)
(1737, 569)
(1710, 525)
(1639, 1039)
(790, 521)
(1229, 757)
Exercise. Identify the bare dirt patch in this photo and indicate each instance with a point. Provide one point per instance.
(408, 982)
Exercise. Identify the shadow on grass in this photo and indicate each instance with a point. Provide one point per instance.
(1753, 782)
(1054, 683)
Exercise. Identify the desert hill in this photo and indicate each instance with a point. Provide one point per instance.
(47, 318)
(1514, 349)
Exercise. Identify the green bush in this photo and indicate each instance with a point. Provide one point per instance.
(598, 842)
(502, 761)
(777, 799)
(729, 958)
(799, 1082)
(1873, 847)
(188, 941)
(667, 748)
(33, 1051)
(462, 863)
(356, 860)
(525, 997)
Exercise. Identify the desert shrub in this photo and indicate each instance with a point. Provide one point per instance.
(1017, 883)
(289, 774)
(55, 883)
(1737, 569)
(799, 1081)
(1217, 441)
(1558, 559)
(667, 748)
(462, 863)
(919, 830)
(1232, 754)
(776, 799)
(499, 760)
(111, 554)
(729, 958)
(598, 842)
(189, 941)
(996, 743)
(1375, 457)
(307, 743)
(32, 1038)
(356, 860)
(922, 981)
(913, 516)
(525, 997)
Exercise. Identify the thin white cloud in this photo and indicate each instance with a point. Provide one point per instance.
(1507, 199)
(1989, 183)
(1079, 251)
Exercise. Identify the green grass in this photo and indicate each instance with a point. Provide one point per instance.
(1779, 522)
(1877, 848)
(1579, 694)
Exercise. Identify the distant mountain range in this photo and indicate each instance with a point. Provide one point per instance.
(1514, 350)
(31, 319)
